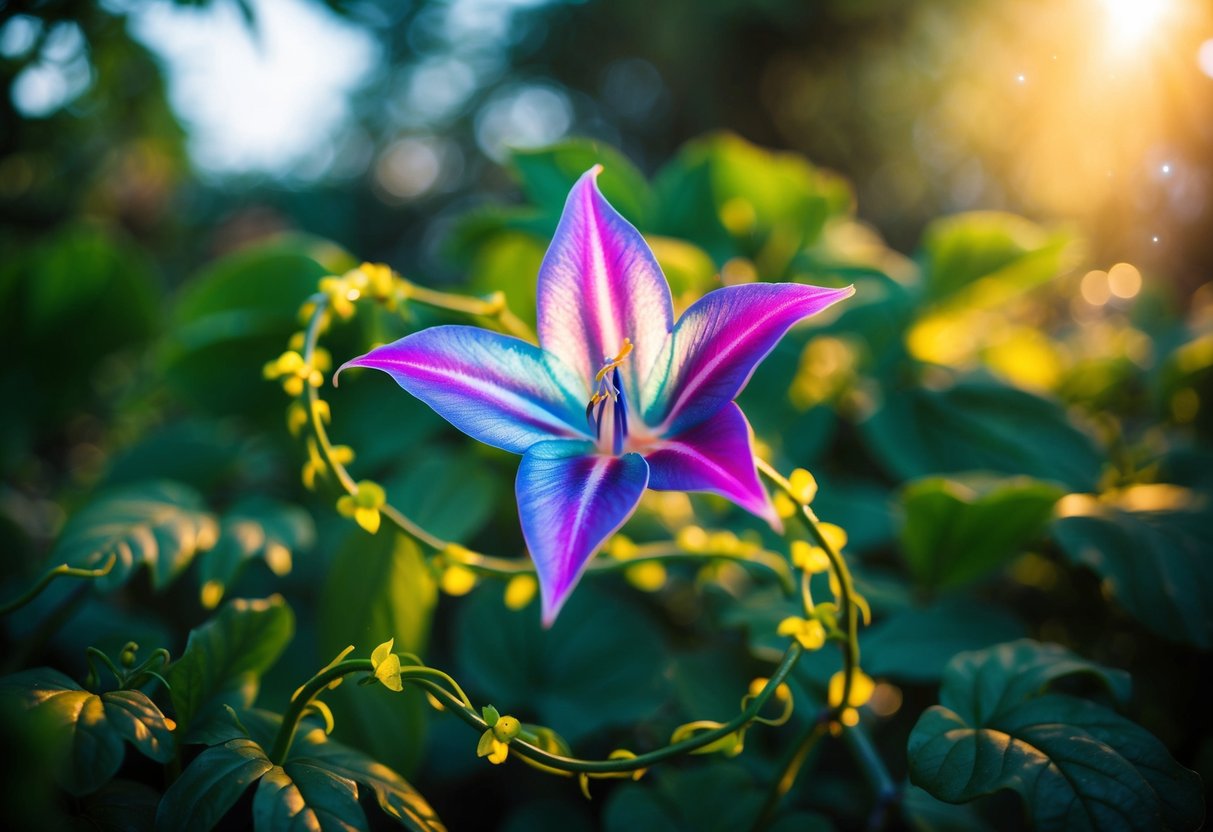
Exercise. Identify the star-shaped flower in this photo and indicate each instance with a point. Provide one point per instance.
(617, 397)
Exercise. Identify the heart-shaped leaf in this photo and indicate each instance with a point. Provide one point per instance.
(1076, 763)
(89, 728)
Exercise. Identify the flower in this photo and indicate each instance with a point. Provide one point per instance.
(617, 397)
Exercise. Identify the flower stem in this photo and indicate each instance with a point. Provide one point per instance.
(60, 571)
(494, 307)
(846, 600)
(299, 703)
(791, 769)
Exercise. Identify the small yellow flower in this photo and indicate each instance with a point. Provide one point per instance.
(836, 536)
(387, 665)
(691, 539)
(364, 505)
(808, 631)
(804, 486)
(457, 580)
(647, 577)
(520, 591)
(808, 558)
(862, 687)
(314, 465)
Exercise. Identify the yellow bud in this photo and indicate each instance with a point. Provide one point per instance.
(691, 539)
(346, 505)
(457, 580)
(724, 543)
(342, 454)
(834, 535)
(808, 632)
(807, 558)
(785, 507)
(297, 341)
(804, 486)
(849, 717)
(520, 591)
(367, 518)
(861, 689)
(621, 547)
(296, 418)
(293, 386)
(507, 728)
(647, 577)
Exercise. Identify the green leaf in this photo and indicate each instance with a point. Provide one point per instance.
(236, 315)
(1157, 565)
(398, 800)
(736, 199)
(548, 174)
(160, 525)
(377, 588)
(916, 644)
(980, 426)
(507, 261)
(88, 729)
(226, 656)
(1005, 253)
(706, 797)
(1077, 764)
(924, 813)
(306, 797)
(599, 665)
(958, 530)
(448, 494)
(210, 786)
(255, 529)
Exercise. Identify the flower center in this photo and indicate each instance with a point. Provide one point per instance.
(607, 412)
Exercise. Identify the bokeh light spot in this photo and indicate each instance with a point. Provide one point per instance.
(1124, 280)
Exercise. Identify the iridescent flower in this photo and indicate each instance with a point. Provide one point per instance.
(617, 397)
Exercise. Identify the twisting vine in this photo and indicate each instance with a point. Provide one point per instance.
(301, 372)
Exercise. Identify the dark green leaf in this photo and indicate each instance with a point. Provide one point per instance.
(447, 494)
(238, 314)
(988, 246)
(959, 530)
(598, 665)
(88, 728)
(160, 525)
(924, 813)
(916, 644)
(1157, 564)
(210, 786)
(226, 656)
(718, 797)
(300, 796)
(378, 588)
(547, 175)
(399, 800)
(980, 426)
(256, 528)
(1076, 763)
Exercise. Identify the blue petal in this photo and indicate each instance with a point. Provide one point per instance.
(570, 501)
(497, 389)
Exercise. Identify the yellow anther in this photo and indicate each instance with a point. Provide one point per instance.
(617, 361)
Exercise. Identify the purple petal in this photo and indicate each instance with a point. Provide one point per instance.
(497, 389)
(716, 456)
(570, 501)
(718, 343)
(599, 283)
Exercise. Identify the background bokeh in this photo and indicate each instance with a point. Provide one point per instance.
(1022, 193)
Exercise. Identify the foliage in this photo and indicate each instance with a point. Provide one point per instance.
(967, 495)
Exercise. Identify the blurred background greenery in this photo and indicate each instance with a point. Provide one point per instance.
(175, 177)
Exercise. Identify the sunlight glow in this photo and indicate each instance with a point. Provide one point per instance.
(1132, 22)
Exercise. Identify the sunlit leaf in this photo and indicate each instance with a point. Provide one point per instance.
(991, 255)
(160, 525)
(255, 529)
(1155, 563)
(210, 786)
(547, 174)
(299, 796)
(225, 658)
(395, 796)
(956, 530)
(1076, 763)
(88, 729)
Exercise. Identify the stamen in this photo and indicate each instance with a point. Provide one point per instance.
(617, 361)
